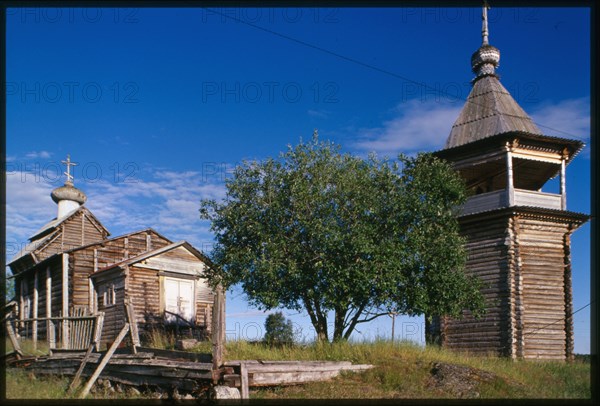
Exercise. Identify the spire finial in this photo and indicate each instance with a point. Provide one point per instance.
(485, 60)
(484, 28)
(68, 163)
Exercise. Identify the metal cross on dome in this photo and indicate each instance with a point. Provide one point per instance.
(68, 163)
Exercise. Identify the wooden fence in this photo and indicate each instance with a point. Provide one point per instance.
(81, 330)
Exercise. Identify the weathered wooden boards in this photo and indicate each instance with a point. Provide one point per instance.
(272, 373)
(162, 368)
(523, 260)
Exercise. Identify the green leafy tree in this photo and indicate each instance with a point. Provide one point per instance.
(278, 330)
(327, 232)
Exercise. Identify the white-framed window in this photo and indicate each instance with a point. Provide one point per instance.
(108, 295)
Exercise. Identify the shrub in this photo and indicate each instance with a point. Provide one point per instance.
(278, 330)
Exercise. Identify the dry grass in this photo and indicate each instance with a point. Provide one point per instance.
(402, 370)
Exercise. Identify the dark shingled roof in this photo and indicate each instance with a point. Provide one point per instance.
(489, 110)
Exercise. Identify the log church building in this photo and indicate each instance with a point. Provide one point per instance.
(71, 264)
(518, 237)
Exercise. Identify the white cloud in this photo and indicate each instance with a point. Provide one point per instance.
(166, 201)
(566, 119)
(318, 113)
(424, 125)
(38, 154)
(417, 126)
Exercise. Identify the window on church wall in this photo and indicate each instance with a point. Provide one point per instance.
(108, 295)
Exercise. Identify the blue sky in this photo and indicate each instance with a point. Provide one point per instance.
(158, 106)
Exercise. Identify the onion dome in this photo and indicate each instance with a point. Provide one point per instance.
(68, 197)
(68, 192)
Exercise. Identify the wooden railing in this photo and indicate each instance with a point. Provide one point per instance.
(82, 330)
(499, 199)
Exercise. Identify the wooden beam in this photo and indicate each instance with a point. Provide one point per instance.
(98, 323)
(75, 382)
(49, 324)
(135, 338)
(91, 295)
(48, 293)
(510, 188)
(109, 353)
(244, 381)
(95, 259)
(21, 301)
(34, 328)
(217, 328)
(65, 299)
(13, 338)
(563, 187)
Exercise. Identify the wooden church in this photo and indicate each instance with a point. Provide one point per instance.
(71, 263)
(518, 237)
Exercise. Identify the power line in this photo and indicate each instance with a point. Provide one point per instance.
(369, 66)
(557, 320)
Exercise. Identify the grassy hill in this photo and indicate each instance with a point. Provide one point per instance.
(401, 370)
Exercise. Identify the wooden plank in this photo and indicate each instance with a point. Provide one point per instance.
(65, 298)
(135, 338)
(245, 393)
(75, 382)
(217, 328)
(48, 293)
(104, 361)
(34, 332)
(13, 338)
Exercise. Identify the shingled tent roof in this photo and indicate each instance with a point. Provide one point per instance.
(490, 110)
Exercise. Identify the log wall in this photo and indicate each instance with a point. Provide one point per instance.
(97, 256)
(546, 324)
(79, 229)
(488, 259)
(523, 261)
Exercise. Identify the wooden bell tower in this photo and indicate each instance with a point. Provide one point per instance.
(518, 237)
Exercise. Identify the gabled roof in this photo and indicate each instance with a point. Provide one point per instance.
(119, 236)
(158, 251)
(45, 234)
(58, 221)
(490, 110)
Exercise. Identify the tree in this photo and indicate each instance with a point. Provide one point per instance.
(278, 330)
(322, 231)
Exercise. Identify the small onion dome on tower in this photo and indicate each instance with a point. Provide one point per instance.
(486, 59)
(68, 197)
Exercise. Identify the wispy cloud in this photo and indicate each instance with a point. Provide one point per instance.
(166, 201)
(318, 113)
(567, 119)
(38, 154)
(415, 126)
(418, 125)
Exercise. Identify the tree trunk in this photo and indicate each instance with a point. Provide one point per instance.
(338, 329)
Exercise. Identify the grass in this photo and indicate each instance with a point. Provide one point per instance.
(402, 370)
